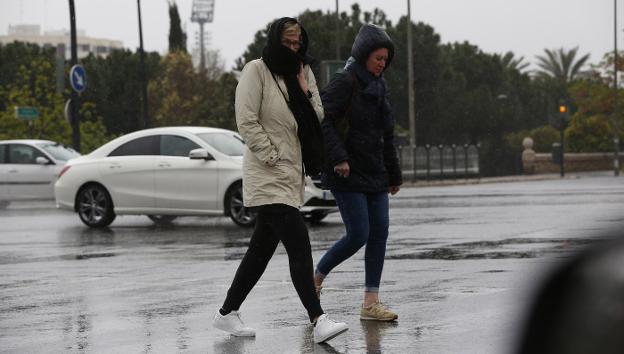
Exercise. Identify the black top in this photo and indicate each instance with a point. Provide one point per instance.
(369, 144)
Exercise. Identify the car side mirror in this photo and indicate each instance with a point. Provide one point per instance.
(40, 160)
(200, 154)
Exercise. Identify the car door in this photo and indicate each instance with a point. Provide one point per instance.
(28, 179)
(182, 183)
(128, 174)
(4, 172)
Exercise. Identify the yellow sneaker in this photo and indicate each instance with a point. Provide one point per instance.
(377, 312)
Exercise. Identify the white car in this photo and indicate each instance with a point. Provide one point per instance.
(165, 173)
(28, 168)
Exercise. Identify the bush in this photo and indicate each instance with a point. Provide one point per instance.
(589, 134)
(543, 138)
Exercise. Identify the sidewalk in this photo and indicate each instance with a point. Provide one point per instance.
(504, 179)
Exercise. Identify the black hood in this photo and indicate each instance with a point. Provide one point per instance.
(369, 38)
(280, 59)
(277, 27)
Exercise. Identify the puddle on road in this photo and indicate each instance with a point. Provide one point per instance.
(64, 257)
(426, 221)
(92, 255)
(167, 311)
(484, 249)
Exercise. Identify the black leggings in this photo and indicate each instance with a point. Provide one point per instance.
(275, 223)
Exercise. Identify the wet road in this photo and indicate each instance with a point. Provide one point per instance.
(462, 265)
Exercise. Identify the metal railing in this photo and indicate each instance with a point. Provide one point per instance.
(439, 162)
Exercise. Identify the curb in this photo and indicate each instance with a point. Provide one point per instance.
(505, 179)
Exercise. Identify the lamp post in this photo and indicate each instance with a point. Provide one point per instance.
(202, 13)
(563, 111)
(616, 108)
(410, 79)
(75, 119)
(146, 122)
(337, 32)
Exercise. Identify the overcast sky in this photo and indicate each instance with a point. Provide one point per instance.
(496, 26)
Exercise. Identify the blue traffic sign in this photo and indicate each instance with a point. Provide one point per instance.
(78, 78)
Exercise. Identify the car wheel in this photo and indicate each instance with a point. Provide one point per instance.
(241, 215)
(316, 216)
(162, 219)
(95, 206)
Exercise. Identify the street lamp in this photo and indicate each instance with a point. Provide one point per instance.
(563, 113)
(410, 79)
(75, 119)
(146, 122)
(202, 12)
(616, 108)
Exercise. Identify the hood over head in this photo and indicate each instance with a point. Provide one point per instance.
(369, 38)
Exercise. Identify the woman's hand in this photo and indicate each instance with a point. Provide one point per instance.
(302, 81)
(393, 189)
(342, 169)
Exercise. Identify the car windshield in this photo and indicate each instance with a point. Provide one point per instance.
(226, 143)
(58, 151)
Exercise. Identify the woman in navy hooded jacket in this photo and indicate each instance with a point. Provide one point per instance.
(362, 162)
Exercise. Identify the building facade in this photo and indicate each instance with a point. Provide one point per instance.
(86, 45)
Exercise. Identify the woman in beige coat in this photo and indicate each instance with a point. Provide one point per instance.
(278, 110)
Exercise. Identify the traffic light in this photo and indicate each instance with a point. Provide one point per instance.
(558, 152)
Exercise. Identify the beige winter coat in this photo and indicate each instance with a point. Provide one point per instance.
(272, 165)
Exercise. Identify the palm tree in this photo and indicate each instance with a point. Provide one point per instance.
(561, 64)
(510, 62)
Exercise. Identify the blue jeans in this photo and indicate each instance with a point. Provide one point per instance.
(366, 220)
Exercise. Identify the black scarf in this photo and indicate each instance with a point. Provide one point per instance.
(284, 62)
(374, 89)
(374, 86)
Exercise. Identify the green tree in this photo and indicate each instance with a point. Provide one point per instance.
(561, 64)
(115, 88)
(215, 65)
(12, 57)
(321, 28)
(543, 138)
(462, 95)
(92, 129)
(183, 96)
(592, 126)
(589, 134)
(33, 84)
(428, 69)
(512, 63)
(177, 37)
(174, 94)
(216, 109)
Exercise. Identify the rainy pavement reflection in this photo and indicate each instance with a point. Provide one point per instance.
(461, 263)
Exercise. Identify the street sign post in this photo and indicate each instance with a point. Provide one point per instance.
(78, 78)
(26, 113)
(67, 111)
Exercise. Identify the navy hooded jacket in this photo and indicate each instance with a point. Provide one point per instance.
(369, 143)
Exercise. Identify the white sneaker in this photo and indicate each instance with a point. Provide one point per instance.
(233, 324)
(327, 329)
